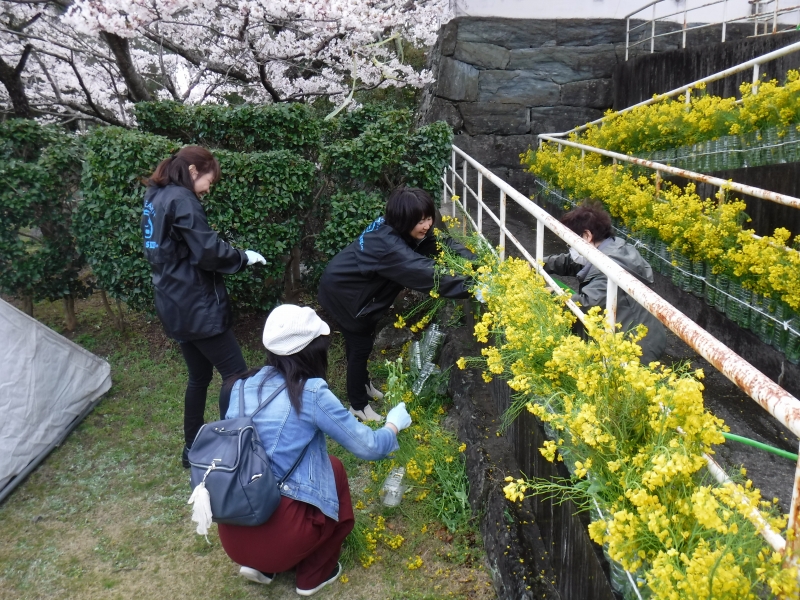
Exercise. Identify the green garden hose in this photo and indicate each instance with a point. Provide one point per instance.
(755, 444)
(564, 286)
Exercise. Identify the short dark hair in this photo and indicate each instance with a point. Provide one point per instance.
(175, 169)
(590, 216)
(297, 368)
(406, 207)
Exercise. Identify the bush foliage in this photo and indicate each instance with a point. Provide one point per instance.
(243, 128)
(257, 203)
(290, 181)
(39, 176)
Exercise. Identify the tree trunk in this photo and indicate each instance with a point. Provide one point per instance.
(69, 312)
(291, 277)
(122, 53)
(27, 305)
(121, 315)
(109, 311)
(11, 78)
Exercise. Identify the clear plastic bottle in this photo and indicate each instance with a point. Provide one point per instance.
(393, 488)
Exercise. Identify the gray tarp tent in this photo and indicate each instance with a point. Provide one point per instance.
(47, 386)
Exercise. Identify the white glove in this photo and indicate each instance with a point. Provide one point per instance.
(479, 296)
(399, 417)
(254, 257)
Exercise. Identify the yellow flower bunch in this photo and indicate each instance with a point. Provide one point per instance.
(636, 435)
(515, 490)
(703, 229)
(671, 123)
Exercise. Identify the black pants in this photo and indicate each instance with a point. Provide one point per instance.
(221, 351)
(358, 347)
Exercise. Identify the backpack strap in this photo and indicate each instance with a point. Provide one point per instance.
(294, 466)
(262, 405)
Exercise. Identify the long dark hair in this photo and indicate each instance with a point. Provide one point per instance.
(406, 207)
(297, 368)
(175, 169)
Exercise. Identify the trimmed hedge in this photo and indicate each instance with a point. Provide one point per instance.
(348, 213)
(303, 190)
(257, 204)
(242, 128)
(40, 170)
(107, 221)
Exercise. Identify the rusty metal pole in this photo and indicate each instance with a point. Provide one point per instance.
(611, 306)
(683, 45)
(775, 18)
(715, 181)
(769, 395)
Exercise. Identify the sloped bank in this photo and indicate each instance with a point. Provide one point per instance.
(535, 549)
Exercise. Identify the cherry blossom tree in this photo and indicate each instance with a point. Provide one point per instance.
(92, 59)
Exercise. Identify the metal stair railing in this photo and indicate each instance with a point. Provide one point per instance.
(758, 16)
(778, 402)
(659, 168)
(754, 64)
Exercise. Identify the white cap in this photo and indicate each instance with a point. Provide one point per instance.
(290, 328)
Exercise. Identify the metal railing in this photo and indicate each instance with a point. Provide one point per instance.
(773, 398)
(659, 168)
(754, 64)
(769, 16)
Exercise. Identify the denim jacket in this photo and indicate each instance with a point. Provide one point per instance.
(284, 434)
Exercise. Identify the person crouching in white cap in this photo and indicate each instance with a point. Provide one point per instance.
(315, 515)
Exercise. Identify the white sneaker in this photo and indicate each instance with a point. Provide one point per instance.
(331, 578)
(366, 414)
(256, 575)
(373, 393)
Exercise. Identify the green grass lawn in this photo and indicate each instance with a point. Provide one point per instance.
(105, 515)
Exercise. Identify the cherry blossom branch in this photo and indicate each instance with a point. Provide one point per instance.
(122, 53)
(196, 58)
(97, 112)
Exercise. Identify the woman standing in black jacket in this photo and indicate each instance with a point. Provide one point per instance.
(187, 259)
(360, 283)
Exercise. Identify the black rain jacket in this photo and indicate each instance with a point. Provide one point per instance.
(361, 282)
(187, 257)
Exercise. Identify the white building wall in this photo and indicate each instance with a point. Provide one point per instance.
(602, 9)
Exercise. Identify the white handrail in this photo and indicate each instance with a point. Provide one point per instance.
(778, 402)
(749, 190)
(774, 398)
(755, 17)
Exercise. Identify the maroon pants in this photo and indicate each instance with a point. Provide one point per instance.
(297, 536)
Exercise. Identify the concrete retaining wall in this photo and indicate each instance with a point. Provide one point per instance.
(535, 549)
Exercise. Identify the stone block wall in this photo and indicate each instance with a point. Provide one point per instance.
(500, 82)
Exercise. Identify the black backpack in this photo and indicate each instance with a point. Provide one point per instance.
(229, 458)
